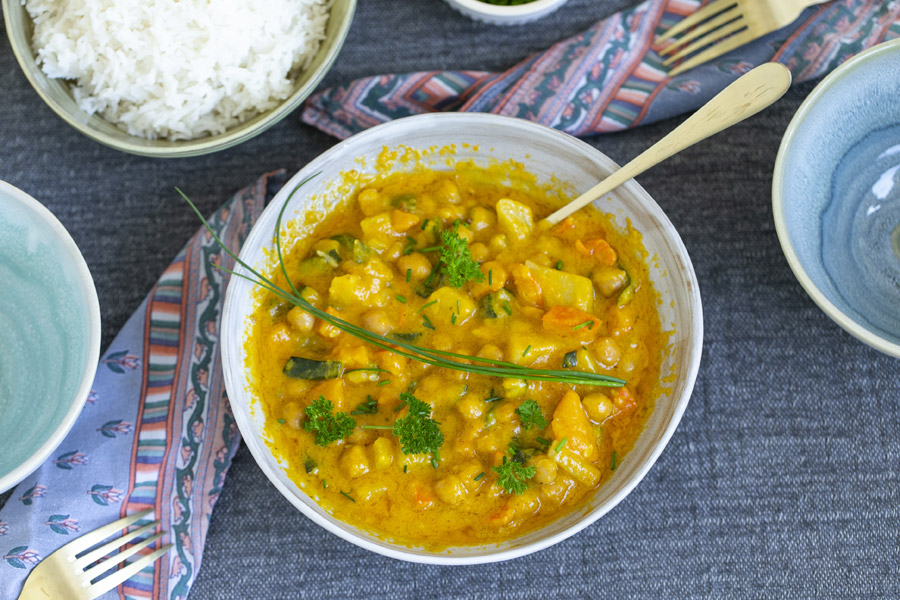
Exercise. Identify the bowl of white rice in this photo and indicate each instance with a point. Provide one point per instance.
(174, 78)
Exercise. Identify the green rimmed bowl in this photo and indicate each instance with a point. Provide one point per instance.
(58, 96)
(50, 341)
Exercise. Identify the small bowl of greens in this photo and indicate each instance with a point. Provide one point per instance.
(505, 12)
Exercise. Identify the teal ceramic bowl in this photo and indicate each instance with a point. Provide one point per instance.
(50, 345)
(836, 196)
(58, 96)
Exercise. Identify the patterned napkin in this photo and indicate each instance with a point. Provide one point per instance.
(608, 78)
(156, 432)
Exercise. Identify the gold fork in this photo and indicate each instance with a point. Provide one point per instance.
(726, 24)
(68, 573)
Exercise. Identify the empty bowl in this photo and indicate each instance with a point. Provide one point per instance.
(836, 196)
(50, 319)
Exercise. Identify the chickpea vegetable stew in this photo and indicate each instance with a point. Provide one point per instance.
(434, 457)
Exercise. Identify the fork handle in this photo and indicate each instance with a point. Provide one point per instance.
(751, 93)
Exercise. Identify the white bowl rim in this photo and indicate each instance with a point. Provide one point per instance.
(499, 10)
(53, 441)
(834, 313)
(691, 362)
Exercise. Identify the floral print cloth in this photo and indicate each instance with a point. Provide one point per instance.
(609, 77)
(156, 431)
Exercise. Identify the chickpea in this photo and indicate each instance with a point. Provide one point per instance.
(292, 414)
(514, 388)
(609, 280)
(369, 491)
(371, 202)
(481, 218)
(479, 252)
(598, 407)
(383, 451)
(354, 461)
(360, 436)
(490, 351)
(620, 320)
(448, 191)
(470, 407)
(607, 352)
(544, 470)
(377, 320)
(451, 490)
(499, 242)
(417, 264)
(301, 320)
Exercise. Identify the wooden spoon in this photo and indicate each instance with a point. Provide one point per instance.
(751, 93)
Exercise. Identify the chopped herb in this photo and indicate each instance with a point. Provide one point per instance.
(425, 224)
(434, 463)
(405, 202)
(526, 350)
(515, 451)
(324, 484)
(409, 250)
(561, 444)
(479, 476)
(453, 319)
(408, 275)
(405, 467)
(384, 383)
(559, 265)
(281, 421)
(426, 305)
(491, 277)
(309, 465)
(493, 397)
(531, 416)
(348, 496)
(370, 369)
(328, 427)
(506, 308)
(588, 324)
(461, 268)
(542, 441)
(427, 322)
(613, 466)
(369, 407)
(418, 432)
(512, 476)
(412, 240)
(401, 299)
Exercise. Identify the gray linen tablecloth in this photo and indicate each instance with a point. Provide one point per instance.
(782, 479)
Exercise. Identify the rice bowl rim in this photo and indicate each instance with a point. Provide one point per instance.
(18, 25)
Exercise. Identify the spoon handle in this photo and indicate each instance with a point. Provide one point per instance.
(751, 93)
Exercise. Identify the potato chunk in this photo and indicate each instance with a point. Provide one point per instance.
(515, 218)
(560, 287)
(570, 422)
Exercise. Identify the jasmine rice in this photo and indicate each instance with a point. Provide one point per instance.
(177, 69)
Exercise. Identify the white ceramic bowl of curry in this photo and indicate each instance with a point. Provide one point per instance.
(438, 141)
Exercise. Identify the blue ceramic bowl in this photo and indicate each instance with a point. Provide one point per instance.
(836, 196)
(50, 340)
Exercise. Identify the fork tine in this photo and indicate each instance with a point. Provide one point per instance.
(96, 536)
(714, 37)
(723, 19)
(106, 565)
(713, 52)
(105, 549)
(108, 583)
(710, 10)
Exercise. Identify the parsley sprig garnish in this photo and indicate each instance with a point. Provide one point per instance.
(512, 476)
(327, 426)
(531, 416)
(459, 267)
(417, 431)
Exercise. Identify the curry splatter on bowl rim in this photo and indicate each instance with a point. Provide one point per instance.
(547, 152)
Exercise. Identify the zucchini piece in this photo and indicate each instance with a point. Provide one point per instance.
(345, 240)
(310, 268)
(570, 359)
(306, 368)
(627, 295)
(310, 465)
(360, 252)
(405, 337)
(495, 304)
(405, 202)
